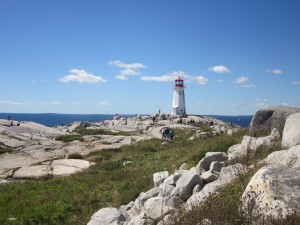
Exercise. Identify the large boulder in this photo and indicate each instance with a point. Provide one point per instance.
(265, 120)
(272, 192)
(291, 132)
(107, 216)
(185, 185)
(211, 157)
(157, 208)
(290, 158)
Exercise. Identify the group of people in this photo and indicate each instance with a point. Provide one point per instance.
(167, 133)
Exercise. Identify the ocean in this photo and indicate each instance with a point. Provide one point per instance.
(53, 119)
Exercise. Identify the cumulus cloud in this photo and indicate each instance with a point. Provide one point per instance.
(170, 77)
(219, 69)
(200, 80)
(167, 77)
(296, 82)
(129, 72)
(129, 69)
(241, 80)
(274, 71)
(121, 77)
(120, 64)
(81, 76)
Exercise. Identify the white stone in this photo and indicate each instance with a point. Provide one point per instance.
(273, 191)
(291, 131)
(33, 172)
(156, 209)
(159, 177)
(288, 158)
(227, 175)
(64, 167)
(211, 157)
(185, 185)
(107, 216)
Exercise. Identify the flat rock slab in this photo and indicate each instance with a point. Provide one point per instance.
(64, 167)
(33, 172)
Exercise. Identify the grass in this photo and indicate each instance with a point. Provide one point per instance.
(73, 199)
(223, 208)
(81, 131)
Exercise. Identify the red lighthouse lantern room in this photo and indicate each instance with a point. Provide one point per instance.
(178, 82)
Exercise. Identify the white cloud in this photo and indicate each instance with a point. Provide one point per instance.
(261, 105)
(167, 77)
(171, 77)
(261, 99)
(241, 80)
(12, 102)
(56, 103)
(296, 82)
(118, 63)
(220, 81)
(219, 69)
(129, 72)
(121, 77)
(274, 71)
(104, 103)
(81, 76)
(248, 85)
(200, 80)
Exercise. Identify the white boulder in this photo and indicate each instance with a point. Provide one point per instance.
(291, 131)
(107, 216)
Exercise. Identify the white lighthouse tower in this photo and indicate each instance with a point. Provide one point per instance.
(178, 107)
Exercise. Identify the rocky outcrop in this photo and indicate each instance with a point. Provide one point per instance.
(162, 203)
(251, 144)
(265, 120)
(62, 167)
(291, 131)
(272, 192)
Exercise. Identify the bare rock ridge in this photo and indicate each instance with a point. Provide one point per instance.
(35, 153)
(265, 120)
(273, 191)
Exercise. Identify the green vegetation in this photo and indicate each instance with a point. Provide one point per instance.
(223, 208)
(73, 199)
(4, 148)
(80, 132)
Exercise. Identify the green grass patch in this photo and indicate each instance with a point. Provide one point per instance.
(73, 199)
(69, 137)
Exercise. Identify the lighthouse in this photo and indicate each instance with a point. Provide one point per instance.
(178, 107)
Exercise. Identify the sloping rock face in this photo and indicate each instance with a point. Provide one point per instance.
(265, 120)
(272, 191)
(291, 132)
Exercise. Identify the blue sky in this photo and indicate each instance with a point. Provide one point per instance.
(122, 56)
